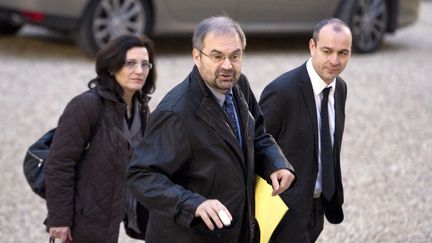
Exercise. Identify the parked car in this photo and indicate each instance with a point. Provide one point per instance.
(94, 22)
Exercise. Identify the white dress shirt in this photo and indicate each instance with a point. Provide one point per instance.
(318, 86)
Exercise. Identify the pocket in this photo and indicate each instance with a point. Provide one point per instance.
(226, 234)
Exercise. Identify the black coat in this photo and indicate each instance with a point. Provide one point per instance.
(90, 195)
(289, 109)
(190, 154)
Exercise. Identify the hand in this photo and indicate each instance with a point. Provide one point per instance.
(62, 233)
(208, 211)
(281, 180)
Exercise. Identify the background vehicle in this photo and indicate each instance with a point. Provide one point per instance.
(93, 23)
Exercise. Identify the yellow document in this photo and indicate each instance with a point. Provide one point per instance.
(269, 209)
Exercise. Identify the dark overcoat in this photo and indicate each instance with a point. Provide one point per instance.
(190, 154)
(90, 195)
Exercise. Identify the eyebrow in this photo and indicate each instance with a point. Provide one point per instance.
(328, 48)
(133, 59)
(214, 50)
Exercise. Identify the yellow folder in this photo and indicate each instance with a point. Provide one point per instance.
(269, 209)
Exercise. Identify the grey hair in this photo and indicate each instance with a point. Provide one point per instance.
(335, 22)
(218, 25)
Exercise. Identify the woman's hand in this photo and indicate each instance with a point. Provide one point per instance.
(62, 233)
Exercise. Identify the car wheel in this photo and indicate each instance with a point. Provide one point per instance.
(368, 23)
(105, 20)
(7, 28)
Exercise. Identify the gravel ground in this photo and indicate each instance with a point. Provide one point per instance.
(387, 148)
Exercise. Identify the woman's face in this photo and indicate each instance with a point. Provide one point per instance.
(133, 74)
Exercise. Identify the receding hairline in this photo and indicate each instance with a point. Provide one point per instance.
(218, 25)
(335, 24)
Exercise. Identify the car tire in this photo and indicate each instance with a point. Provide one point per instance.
(7, 28)
(104, 20)
(368, 22)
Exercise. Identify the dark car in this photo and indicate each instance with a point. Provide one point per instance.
(94, 22)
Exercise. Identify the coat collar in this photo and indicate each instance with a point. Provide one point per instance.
(120, 108)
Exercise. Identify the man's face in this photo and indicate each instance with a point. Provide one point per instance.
(220, 60)
(331, 53)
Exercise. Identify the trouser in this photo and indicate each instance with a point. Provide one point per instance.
(316, 221)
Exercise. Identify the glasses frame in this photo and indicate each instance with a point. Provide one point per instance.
(132, 65)
(230, 57)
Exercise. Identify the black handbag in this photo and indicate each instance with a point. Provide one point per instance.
(38, 152)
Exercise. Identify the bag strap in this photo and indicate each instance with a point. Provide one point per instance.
(95, 126)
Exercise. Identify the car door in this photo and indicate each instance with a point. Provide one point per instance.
(289, 15)
(182, 16)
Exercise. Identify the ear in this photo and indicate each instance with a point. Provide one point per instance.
(312, 46)
(196, 56)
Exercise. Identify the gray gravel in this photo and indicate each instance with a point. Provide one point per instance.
(387, 150)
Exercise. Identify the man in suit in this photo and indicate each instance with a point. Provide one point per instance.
(310, 139)
(203, 147)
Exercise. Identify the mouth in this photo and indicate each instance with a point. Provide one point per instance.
(226, 76)
(333, 70)
(137, 80)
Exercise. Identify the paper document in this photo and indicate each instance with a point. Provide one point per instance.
(269, 209)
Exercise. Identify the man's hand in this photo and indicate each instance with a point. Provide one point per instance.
(281, 180)
(208, 211)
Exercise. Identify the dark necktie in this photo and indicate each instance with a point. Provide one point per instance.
(327, 160)
(229, 109)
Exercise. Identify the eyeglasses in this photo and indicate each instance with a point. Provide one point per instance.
(218, 58)
(132, 64)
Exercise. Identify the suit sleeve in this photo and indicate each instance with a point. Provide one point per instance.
(273, 109)
(154, 162)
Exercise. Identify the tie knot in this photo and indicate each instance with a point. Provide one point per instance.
(326, 91)
(228, 98)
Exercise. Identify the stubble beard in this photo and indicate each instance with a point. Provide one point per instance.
(225, 84)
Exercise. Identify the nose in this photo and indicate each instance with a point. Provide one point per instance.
(138, 69)
(226, 64)
(334, 59)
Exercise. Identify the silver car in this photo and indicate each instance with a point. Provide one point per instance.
(94, 22)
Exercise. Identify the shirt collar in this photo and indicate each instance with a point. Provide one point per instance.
(318, 83)
(220, 98)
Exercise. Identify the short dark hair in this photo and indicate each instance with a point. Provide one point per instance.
(112, 57)
(218, 24)
(337, 26)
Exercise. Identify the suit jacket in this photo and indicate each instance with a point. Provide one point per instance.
(289, 109)
(190, 154)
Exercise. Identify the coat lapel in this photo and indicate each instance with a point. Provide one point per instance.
(136, 123)
(339, 119)
(243, 114)
(247, 128)
(214, 116)
(308, 95)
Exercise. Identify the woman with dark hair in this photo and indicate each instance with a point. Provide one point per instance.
(86, 192)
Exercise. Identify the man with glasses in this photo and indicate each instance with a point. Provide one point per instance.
(205, 143)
